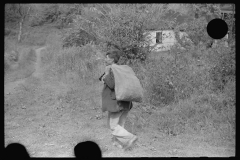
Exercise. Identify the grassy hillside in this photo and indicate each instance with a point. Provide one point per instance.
(179, 98)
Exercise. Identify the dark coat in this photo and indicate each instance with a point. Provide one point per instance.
(109, 102)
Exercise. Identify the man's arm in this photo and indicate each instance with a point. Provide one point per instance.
(109, 80)
(107, 70)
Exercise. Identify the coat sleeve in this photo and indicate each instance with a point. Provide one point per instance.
(109, 80)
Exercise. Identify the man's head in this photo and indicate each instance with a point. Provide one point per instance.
(112, 57)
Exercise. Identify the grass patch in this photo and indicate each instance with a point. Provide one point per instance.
(199, 115)
(77, 62)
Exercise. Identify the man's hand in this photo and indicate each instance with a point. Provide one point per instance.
(107, 71)
(102, 79)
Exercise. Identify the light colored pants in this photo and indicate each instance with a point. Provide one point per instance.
(116, 121)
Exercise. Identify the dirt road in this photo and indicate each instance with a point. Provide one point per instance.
(10, 87)
(38, 70)
(51, 117)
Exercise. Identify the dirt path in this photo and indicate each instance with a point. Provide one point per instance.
(10, 87)
(38, 70)
(50, 118)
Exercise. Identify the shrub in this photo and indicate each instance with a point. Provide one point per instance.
(224, 68)
(182, 73)
(78, 39)
(44, 14)
(168, 80)
(153, 77)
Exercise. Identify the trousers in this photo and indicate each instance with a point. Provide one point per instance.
(116, 122)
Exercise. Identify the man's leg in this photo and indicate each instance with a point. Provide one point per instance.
(112, 123)
(123, 118)
(118, 131)
(113, 119)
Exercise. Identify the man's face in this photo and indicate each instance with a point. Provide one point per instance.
(109, 60)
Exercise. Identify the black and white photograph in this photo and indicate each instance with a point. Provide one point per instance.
(96, 80)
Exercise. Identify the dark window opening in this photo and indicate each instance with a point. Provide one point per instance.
(222, 15)
(159, 37)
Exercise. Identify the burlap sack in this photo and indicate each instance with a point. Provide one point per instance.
(127, 85)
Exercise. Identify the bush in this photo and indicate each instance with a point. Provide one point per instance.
(78, 39)
(46, 14)
(180, 74)
(172, 77)
(183, 82)
(153, 77)
(223, 69)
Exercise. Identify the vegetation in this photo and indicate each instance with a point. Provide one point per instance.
(196, 85)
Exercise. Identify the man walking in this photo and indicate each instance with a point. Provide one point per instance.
(117, 110)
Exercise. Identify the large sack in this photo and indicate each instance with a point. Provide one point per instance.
(127, 85)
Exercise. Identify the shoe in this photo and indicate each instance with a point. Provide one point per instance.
(131, 142)
(116, 143)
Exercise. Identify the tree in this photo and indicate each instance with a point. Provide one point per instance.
(17, 13)
(199, 15)
(121, 26)
(23, 14)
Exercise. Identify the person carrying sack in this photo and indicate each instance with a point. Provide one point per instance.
(117, 108)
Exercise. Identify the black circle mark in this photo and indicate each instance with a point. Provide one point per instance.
(87, 150)
(16, 151)
(217, 28)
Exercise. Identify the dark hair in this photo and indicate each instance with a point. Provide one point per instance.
(114, 55)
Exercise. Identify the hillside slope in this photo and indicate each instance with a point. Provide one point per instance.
(51, 117)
